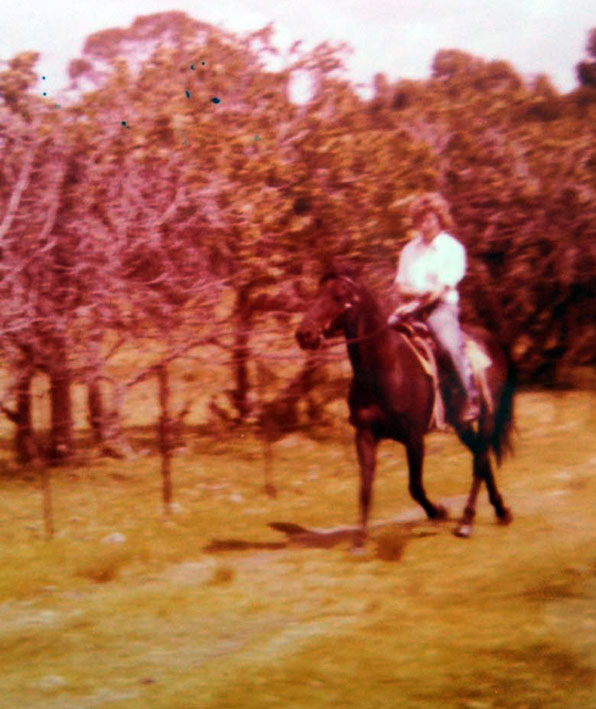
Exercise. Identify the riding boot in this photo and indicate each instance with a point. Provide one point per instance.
(470, 411)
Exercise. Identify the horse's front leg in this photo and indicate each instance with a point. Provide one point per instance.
(415, 454)
(366, 447)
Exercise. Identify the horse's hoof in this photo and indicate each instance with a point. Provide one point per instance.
(359, 542)
(506, 517)
(464, 531)
(440, 513)
(359, 552)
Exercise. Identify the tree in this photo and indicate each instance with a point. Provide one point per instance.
(36, 282)
(586, 69)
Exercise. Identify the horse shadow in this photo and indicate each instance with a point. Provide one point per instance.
(396, 531)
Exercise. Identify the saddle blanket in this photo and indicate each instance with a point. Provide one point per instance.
(420, 340)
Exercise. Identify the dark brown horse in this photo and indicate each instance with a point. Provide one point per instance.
(391, 396)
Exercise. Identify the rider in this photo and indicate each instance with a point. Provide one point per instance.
(430, 267)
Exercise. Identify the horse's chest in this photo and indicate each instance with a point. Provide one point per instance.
(385, 407)
(366, 416)
(366, 404)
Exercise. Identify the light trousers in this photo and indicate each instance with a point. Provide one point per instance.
(445, 326)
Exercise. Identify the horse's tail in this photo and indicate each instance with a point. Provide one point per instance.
(502, 436)
(490, 313)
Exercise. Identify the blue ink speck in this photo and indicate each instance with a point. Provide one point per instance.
(44, 93)
(192, 66)
(215, 100)
(188, 94)
(203, 63)
(44, 78)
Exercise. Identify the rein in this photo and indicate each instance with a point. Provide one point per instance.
(352, 340)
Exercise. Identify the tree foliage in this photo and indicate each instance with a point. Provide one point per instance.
(181, 197)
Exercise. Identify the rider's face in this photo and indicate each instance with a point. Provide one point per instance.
(429, 226)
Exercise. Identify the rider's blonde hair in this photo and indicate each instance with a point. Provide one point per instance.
(430, 202)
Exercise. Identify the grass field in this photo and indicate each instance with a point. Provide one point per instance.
(127, 609)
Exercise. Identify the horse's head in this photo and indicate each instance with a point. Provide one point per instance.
(334, 302)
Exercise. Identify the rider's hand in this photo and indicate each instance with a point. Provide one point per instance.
(402, 311)
(405, 293)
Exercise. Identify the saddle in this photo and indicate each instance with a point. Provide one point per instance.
(423, 344)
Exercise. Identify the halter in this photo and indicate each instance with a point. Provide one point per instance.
(347, 306)
(348, 280)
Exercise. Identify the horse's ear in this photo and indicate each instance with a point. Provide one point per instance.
(340, 267)
(353, 270)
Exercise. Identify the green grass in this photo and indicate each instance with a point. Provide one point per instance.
(505, 620)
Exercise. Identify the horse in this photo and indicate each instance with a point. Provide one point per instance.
(391, 396)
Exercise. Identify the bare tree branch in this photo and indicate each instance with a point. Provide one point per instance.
(17, 193)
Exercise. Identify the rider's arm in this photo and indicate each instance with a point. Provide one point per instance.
(403, 281)
(419, 301)
(432, 296)
(451, 260)
(406, 292)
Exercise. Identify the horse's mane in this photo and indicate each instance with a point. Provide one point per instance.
(336, 270)
(351, 275)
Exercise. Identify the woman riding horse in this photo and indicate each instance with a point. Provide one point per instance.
(429, 270)
(392, 395)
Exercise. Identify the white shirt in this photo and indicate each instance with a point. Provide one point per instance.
(425, 267)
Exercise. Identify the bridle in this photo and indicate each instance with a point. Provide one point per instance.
(348, 305)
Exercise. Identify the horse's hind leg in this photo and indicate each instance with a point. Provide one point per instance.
(496, 500)
(466, 522)
(482, 472)
(366, 447)
(415, 454)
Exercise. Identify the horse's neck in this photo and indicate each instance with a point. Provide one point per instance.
(369, 340)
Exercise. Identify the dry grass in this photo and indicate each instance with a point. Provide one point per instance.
(505, 620)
